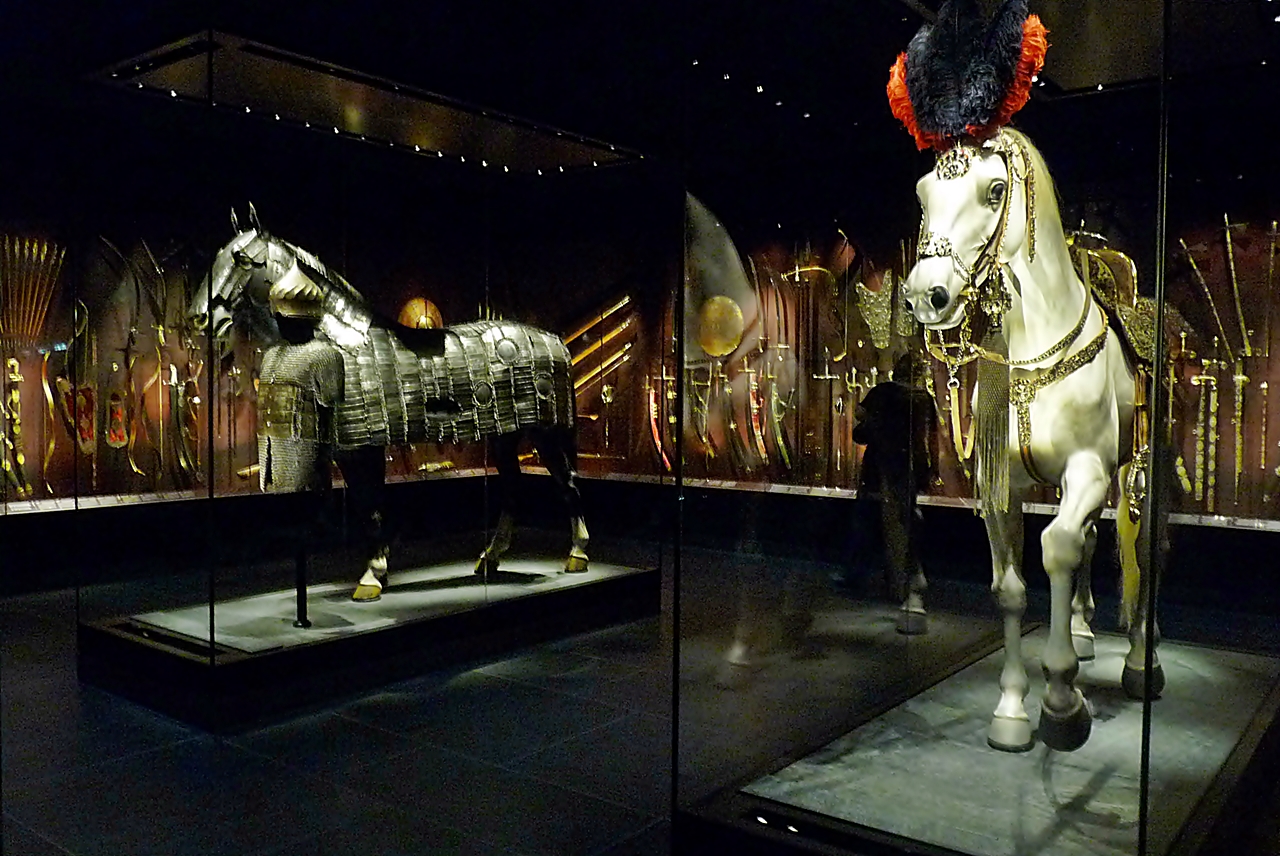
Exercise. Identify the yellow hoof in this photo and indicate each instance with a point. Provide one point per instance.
(366, 593)
(575, 565)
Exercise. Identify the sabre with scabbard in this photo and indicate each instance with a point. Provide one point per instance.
(830, 378)
(1239, 379)
(1207, 432)
(778, 405)
(755, 400)
(1206, 447)
(1175, 363)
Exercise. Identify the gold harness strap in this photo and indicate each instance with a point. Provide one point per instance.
(1025, 383)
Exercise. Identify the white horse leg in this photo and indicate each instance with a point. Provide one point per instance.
(1065, 720)
(1010, 729)
(1082, 601)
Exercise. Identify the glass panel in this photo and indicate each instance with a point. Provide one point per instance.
(810, 430)
(408, 309)
(823, 692)
(1218, 652)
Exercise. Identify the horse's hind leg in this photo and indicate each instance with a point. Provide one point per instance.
(1082, 601)
(365, 471)
(556, 449)
(506, 453)
(1134, 612)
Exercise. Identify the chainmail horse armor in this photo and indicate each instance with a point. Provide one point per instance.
(339, 381)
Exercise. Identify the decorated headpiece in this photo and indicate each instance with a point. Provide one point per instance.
(964, 77)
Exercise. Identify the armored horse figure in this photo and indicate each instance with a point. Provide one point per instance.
(1056, 400)
(338, 381)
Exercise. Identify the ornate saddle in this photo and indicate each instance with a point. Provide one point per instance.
(1112, 277)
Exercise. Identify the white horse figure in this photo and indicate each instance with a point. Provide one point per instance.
(992, 239)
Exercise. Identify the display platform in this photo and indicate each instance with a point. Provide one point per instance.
(1216, 707)
(260, 666)
(262, 623)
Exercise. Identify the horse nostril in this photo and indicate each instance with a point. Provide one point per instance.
(939, 297)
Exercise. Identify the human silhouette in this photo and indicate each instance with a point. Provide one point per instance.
(896, 423)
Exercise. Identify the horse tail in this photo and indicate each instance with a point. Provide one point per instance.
(1129, 529)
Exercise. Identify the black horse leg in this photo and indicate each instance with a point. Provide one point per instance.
(365, 470)
(559, 455)
(506, 453)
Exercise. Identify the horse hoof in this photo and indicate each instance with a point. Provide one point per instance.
(366, 593)
(1066, 732)
(486, 565)
(1084, 647)
(1010, 735)
(912, 623)
(575, 565)
(1136, 688)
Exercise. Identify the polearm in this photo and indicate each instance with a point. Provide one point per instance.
(1235, 285)
(602, 341)
(605, 368)
(1204, 286)
(586, 328)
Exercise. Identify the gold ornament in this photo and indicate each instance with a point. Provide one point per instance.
(720, 326)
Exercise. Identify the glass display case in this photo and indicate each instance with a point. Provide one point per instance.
(370, 419)
(845, 636)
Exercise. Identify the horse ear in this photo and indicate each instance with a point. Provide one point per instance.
(235, 221)
(253, 218)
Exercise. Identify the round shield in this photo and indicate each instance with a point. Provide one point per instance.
(420, 314)
(720, 326)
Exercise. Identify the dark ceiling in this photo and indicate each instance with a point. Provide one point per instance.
(773, 109)
(618, 70)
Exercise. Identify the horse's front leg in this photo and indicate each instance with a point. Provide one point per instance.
(1065, 720)
(365, 471)
(1010, 729)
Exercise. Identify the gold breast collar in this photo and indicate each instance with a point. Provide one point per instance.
(1024, 384)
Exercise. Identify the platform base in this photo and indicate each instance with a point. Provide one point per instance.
(225, 689)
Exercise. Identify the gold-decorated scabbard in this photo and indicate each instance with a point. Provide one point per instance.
(1262, 444)
(1211, 453)
(1239, 380)
(1205, 380)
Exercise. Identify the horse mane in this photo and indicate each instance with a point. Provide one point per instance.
(332, 280)
(1048, 214)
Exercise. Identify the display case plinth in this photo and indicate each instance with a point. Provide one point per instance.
(260, 666)
(920, 779)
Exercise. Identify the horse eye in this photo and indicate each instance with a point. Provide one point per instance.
(995, 195)
(242, 259)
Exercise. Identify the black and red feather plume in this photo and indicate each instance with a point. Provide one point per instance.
(961, 76)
